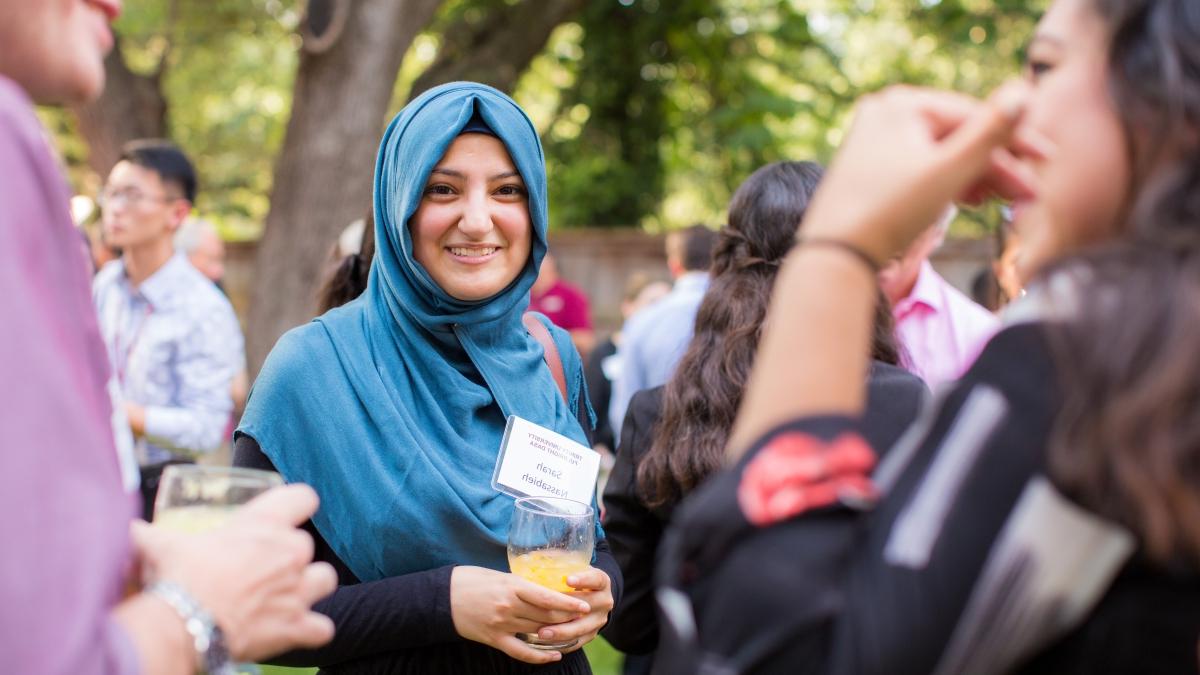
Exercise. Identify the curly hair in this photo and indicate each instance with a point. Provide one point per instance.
(701, 400)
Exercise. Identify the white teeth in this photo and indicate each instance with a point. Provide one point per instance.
(473, 252)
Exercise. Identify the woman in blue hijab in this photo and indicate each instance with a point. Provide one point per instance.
(393, 408)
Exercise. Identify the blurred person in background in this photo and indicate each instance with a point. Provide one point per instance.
(564, 303)
(674, 436)
(940, 329)
(604, 363)
(654, 340)
(350, 267)
(199, 241)
(1008, 277)
(173, 339)
(99, 249)
(985, 289)
(67, 606)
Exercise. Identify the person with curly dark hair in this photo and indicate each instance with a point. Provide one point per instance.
(674, 436)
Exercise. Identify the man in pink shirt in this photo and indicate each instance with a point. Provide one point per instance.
(564, 304)
(941, 329)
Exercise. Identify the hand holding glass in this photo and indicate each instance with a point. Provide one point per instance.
(550, 539)
(194, 498)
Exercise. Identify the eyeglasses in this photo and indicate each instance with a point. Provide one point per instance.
(131, 196)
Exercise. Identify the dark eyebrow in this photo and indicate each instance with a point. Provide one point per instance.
(460, 175)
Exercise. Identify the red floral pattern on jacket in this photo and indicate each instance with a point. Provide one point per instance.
(798, 472)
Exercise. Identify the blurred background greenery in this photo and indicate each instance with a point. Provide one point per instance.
(651, 111)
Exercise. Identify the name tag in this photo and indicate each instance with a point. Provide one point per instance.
(537, 462)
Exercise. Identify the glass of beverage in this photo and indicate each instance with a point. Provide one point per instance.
(549, 539)
(196, 498)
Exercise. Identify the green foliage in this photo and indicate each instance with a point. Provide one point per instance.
(683, 100)
(652, 111)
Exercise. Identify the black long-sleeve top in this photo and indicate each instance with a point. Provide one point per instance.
(403, 625)
(932, 578)
(634, 529)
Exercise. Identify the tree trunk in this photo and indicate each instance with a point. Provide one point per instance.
(131, 107)
(495, 47)
(323, 173)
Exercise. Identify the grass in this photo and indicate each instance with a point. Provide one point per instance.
(604, 659)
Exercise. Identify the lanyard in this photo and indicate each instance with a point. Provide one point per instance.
(121, 360)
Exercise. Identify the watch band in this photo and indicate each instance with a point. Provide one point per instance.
(211, 656)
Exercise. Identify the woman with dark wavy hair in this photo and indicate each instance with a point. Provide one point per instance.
(674, 436)
(349, 269)
(1045, 515)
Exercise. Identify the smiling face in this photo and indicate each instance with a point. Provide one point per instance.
(1083, 186)
(55, 48)
(472, 231)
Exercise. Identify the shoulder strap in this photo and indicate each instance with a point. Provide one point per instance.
(540, 333)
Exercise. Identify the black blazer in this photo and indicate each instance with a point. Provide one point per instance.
(633, 530)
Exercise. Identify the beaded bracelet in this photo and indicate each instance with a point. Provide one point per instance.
(846, 246)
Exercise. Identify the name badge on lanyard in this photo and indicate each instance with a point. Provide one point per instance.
(537, 462)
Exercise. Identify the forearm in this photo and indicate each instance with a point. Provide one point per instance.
(162, 643)
(813, 356)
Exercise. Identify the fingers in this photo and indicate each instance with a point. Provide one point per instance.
(967, 152)
(545, 598)
(150, 542)
(289, 505)
(591, 579)
(1007, 178)
(312, 630)
(318, 580)
(514, 647)
(580, 628)
(538, 617)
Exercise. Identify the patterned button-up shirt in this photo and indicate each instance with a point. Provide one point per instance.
(175, 347)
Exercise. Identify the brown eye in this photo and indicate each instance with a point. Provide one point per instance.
(1035, 69)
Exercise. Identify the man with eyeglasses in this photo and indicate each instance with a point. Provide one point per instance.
(173, 340)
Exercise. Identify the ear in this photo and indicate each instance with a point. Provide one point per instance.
(180, 208)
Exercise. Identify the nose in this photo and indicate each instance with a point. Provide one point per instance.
(477, 216)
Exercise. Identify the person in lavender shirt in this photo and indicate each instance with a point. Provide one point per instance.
(66, 604)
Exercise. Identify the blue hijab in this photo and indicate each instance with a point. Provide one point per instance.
(393, 407)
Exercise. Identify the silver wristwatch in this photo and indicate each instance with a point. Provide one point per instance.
(212, 658)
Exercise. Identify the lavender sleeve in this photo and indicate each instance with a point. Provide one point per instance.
(66, 518)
